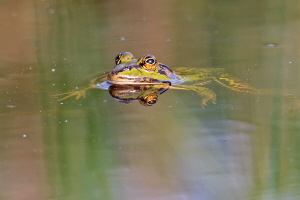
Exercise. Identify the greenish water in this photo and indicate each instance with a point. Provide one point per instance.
(243, 147)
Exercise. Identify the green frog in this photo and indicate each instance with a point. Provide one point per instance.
(147, 70)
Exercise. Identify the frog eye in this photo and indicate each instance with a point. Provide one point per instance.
(148, 62)
(124, 57)
(149, 99)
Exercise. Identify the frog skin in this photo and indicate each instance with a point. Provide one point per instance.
(147, 70)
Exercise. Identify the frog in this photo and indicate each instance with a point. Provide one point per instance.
(147, 70)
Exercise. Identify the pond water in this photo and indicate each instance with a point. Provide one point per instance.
(242, 147)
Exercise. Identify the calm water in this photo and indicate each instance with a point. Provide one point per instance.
(244, 147)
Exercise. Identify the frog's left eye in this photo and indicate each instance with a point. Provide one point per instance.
(149, 100)
(148, 62)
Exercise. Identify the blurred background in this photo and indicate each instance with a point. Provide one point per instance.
(243, 147)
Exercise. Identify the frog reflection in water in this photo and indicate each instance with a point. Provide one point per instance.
(159, 77)
(146, 94)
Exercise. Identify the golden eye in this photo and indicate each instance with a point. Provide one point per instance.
(148, 62)
(149, 100)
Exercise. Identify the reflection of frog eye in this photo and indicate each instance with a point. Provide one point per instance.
(149, 100)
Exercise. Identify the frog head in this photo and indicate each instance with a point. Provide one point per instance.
(144, 70)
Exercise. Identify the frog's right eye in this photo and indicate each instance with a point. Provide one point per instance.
(118, 59)
(124, 57)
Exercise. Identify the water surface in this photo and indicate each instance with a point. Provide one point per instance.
(243, 147)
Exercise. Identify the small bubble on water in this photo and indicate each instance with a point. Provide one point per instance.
(51, 11)
(271, 45)
(10, 106)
